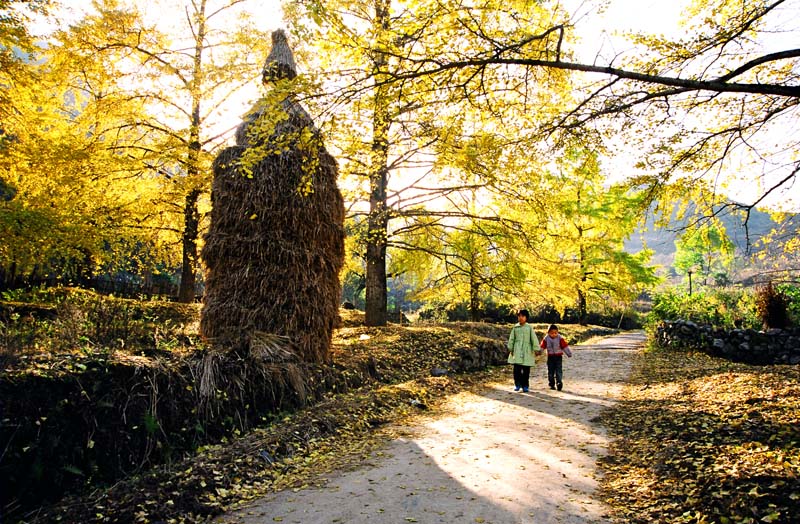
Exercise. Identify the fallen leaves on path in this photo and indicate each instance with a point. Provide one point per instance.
(700, 439)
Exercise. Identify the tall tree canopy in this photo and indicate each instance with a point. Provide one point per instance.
(717, 103)
(709, 112)
(74, 201)
(184, 75)
(17, 48)
(425, 103)
(586, 222)
(396, 130)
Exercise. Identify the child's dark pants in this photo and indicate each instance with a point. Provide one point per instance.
(555, 372)
(522, 375)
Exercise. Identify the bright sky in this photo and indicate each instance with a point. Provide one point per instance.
(167, 14)
(163, 11)
(599, 28)
(600, 31)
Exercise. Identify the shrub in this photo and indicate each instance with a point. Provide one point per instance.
(433, 312)
(728, 308)
(772, 306)
(490, 311)
(792, 294)
(66, 319)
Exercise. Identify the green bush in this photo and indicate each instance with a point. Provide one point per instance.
(726, 308)
(67, 319)
(792, 294)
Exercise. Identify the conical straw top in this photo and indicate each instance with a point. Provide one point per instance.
(280, 62)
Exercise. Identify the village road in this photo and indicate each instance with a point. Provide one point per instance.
(497, 457)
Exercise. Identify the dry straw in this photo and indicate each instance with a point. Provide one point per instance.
(276, 239)
(279, 64)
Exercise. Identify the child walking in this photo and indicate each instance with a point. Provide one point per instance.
(522, 342)
(556, 347)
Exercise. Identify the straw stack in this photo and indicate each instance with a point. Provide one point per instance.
(280, 61)
(274, 250)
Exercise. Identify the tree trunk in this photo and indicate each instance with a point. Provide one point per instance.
(474, 294)
(191, 213)
(375, 307)
(582, 314)
(377, 225)
(84, 270)
(584, 270)
(378, 221)
(191, 228)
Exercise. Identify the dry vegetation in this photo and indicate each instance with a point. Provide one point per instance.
(298, 445)
(699, 439)
(696, 439)
(257, 278)
(384, 378)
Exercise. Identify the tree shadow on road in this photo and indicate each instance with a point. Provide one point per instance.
(498, 457)
(401, 484)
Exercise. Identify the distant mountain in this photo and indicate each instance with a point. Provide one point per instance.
(745, 236)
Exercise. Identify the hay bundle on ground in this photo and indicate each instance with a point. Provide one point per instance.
(276, 239)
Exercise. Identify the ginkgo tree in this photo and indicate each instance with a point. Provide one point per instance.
(17, 47)
(717, 103)
(706, 250)
(467, 261)
(184, 76)
(75, 202)
(777, 255)
(581, 258)
(392, 135)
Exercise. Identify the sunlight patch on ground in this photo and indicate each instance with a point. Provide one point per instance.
(521, 444)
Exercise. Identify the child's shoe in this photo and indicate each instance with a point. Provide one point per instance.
(560, 386)
(516, 388)
(524, 390)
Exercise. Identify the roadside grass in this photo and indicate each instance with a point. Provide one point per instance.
(700, 439)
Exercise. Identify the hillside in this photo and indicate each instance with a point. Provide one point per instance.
(747, 237)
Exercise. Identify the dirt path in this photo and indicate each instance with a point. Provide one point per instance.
(501, 457)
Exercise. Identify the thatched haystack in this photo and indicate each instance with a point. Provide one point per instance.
(276, 239)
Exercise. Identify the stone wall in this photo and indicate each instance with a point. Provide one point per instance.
(775, 346)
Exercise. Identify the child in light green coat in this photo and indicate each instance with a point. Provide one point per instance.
(522, 343)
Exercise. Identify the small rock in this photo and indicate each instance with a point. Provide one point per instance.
(266, 456)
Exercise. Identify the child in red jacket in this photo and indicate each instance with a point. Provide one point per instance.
(556, 346)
